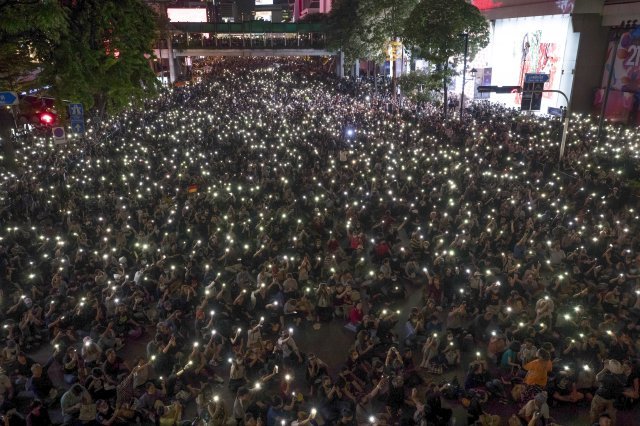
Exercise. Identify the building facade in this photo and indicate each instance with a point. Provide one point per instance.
(574, 41)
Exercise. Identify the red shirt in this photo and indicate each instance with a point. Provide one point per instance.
(356, 315)
(382, 249)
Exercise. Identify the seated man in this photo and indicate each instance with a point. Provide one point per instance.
(535, 409)
(40, 385)
(477, 376)
(632, 388)
(147, 405)
(71, 403)
(565, 388)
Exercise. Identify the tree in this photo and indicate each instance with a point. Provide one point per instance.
(436, 29)
(364, 28)
(104, 60)
(345, 26)
(419, 85)
(28, 30)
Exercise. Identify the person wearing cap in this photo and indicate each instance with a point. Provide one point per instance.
(40, 384)
(611, 381)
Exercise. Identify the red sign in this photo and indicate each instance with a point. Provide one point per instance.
(561, 6)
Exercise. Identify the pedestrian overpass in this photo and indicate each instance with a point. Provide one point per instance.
(252, 38)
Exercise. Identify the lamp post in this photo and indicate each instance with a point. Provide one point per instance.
(464, 70)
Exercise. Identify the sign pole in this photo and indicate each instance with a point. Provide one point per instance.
(565, 131)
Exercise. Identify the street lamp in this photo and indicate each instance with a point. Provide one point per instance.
(464, 70)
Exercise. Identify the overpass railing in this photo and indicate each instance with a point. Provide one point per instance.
(248, 35)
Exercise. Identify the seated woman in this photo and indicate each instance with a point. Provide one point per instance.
(71, 364)
(477, 375)
(358, 366)
(451, 351)
(315, 369)
(430, 350)
(356, 315)
(364, 345)
(328, 396)
(509, 364)
(292, 312)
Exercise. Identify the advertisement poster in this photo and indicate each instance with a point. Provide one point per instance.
(187, 14)
(538, 57)
(626, 68)
(532, 45)
(619, 105)
(483, 78)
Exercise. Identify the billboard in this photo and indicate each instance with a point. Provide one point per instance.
(619, 105)
(187, 14)
(626, 67)
(531, 45)
(624, 52)
(263, 16)
(264, 2)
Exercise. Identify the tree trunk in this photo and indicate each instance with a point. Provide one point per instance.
(445, 96)
(393, 83)
(375, 77)
(100, 106)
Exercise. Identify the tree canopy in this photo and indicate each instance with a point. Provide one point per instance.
(363, 28)
(92, 51)
(431, 28)
(104, 60)
(436, 29)
(28, 30)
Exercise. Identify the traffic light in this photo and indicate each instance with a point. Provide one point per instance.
(46, 118)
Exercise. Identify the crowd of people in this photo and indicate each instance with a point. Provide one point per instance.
(224, 223)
